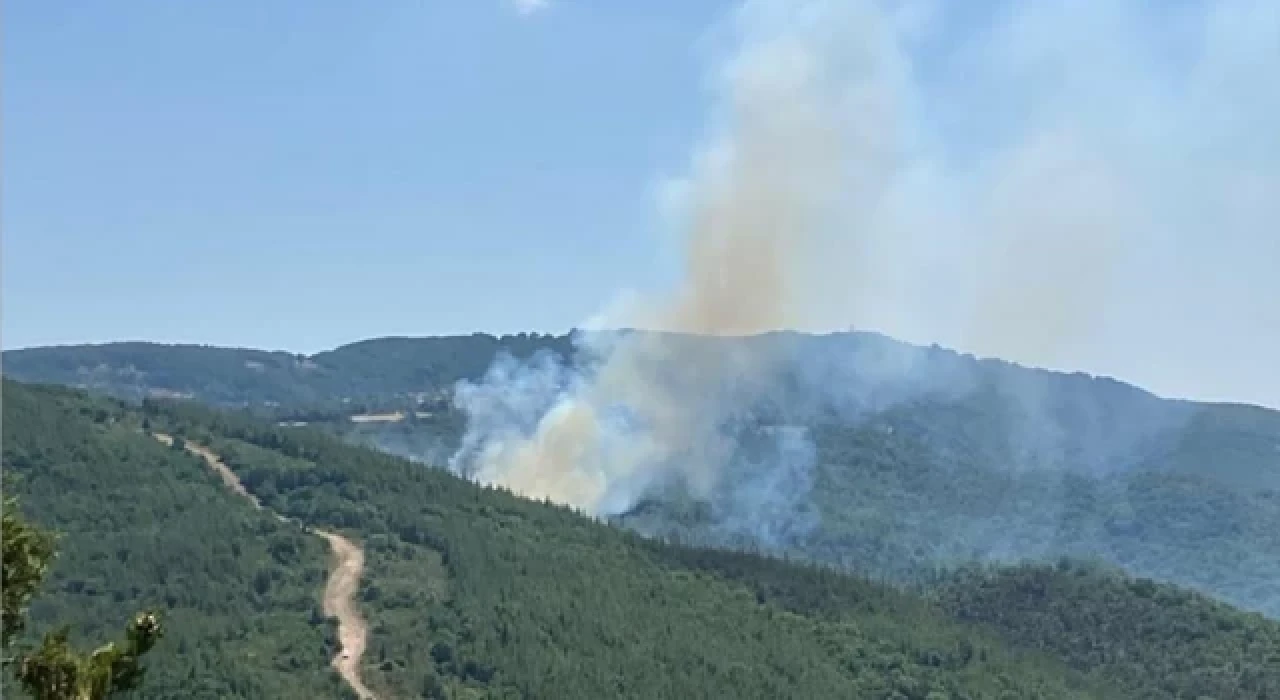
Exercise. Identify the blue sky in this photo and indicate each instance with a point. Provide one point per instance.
(1081, 185)
(302, 174)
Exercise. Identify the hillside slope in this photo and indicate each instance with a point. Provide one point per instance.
(339, 589)
(469, 588)
(369, 372)
(472, 592)
(1021, 465)
(996, 412)
(146, 527)
(544, 601)
(925, 457)
(1172, 642)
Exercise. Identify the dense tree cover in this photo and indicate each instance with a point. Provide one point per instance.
(474, 589)
(232, 376)
(1145, 639)
(27, 553)
(521, 597)
(1155, 641)
(431, 440)
(926, 457)
(144, 527)
(360, 376)
(473, 592)
(392, 365)
(889, 507)
(54, 670)
(894, 499)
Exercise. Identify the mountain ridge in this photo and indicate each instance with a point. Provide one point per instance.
(925, 456)
(54, 363)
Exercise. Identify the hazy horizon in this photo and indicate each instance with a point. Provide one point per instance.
(563, 333)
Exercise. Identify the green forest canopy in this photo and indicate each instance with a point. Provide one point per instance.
(472, 592)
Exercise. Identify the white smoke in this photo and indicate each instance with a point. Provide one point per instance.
(850, 176)
(760, 198)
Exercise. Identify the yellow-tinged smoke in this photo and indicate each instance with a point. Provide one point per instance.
(833, 191)
(753, 205)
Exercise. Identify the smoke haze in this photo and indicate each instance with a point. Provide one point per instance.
(1022, 189)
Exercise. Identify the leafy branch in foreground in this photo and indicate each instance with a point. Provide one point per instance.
(27, 552)
(55, 670)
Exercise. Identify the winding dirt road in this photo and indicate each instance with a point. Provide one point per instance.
(339, 601)
(339, 591)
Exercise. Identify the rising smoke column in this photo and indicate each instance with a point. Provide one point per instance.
(1025, 187)
(659, 404)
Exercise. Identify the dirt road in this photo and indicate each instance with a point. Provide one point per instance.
(339, 601)
(339, 591)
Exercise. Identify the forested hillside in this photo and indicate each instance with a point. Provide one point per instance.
(473, 588)
(924, 457)
(933, 481)
(146, 527)
(1138, 634)
(884, 501)
(369, 373)
(475, 593)
(984, 410)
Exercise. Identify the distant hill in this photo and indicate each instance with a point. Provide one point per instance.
(472, 592)
(1032, 416)
(924, 457)
(928, 458)
(370, 371)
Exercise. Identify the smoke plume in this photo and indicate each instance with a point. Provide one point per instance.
(1000, 189)
(660, 405)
